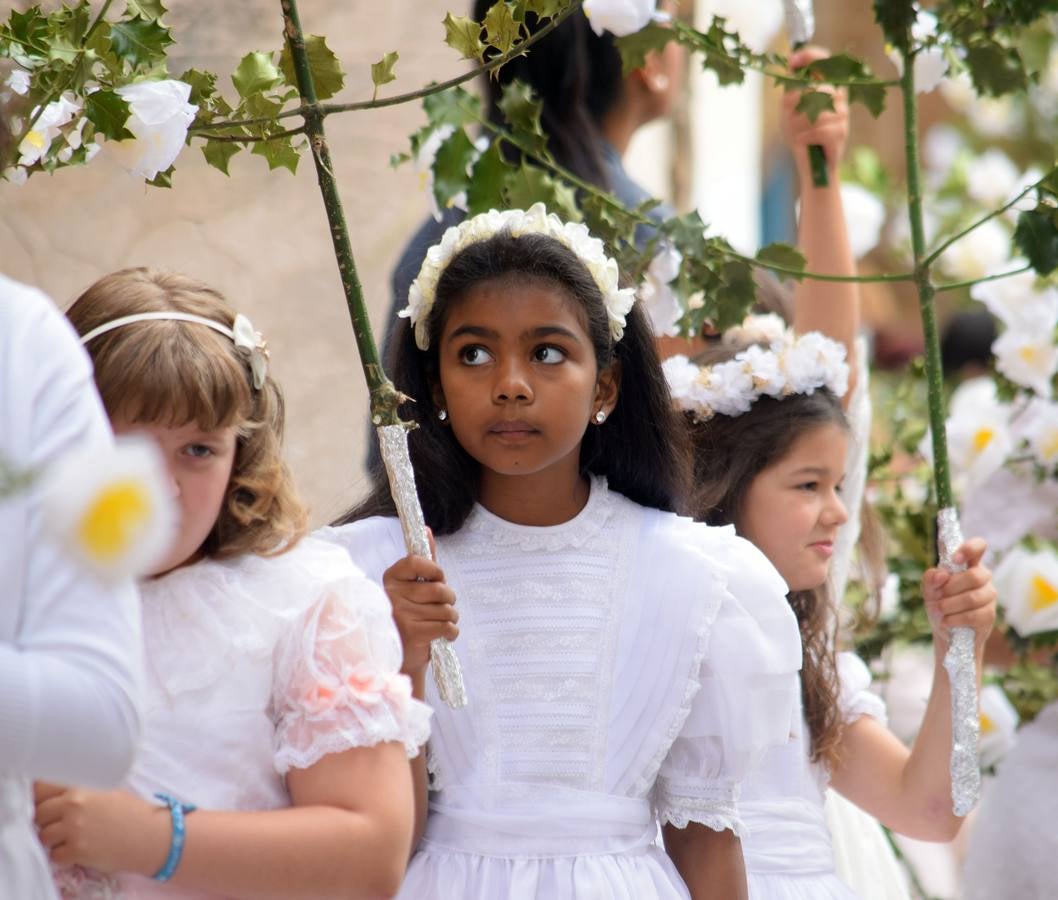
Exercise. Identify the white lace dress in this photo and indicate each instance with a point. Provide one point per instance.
(622, 668)
(788, 849)
(256, 666)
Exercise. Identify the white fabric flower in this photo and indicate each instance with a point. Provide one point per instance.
(942, 147)
(991, 178)
(979, 441)
(657, 297)
(983, 250)
(767, 374)
(19, 81)
(1018, 301)
(159, 118)
(16, 174)
(1028, 358)
(424, 161)
(1042, 434)
(765, 328)
(681, 375)
(889, 597)
(864, 217)
(999, 725)
(48, 126)
(111, 507)
(1027, 583)
(619, 17)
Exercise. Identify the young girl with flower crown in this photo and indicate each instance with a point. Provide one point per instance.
(770, 443)
(623, 665)
(276, 720)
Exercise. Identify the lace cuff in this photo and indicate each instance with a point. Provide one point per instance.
(857, 699)
(338, 683)
(712, 803)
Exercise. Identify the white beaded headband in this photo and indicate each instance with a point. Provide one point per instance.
(247, 341)
(536, 220)
(793, 364)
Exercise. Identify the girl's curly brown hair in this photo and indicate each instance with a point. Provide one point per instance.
(172, 373)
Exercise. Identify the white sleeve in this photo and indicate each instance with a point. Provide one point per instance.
(70, 647)
(856, 698)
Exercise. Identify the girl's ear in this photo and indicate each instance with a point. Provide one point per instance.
(652, 76)
(437, 396)
(607, 388)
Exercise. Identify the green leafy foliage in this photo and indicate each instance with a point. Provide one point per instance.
(779, 254)
(488, 176)
(995, 69)
(635, 47)
(108, 112)
(1036, 236)
(146, 9)
(255, 73)
(464, 36)
(501, 29)
(522, 110)
(139, 40)
(859, 81)
(543, 9)
(382, 71)
(529, 184)
(453, 159)
(895, 17)
(219, 153)
(279, 153)
(812, 103)
(327, 75)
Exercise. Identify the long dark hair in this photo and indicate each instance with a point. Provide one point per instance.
(729, 453)
(577, 76)
(642, 449)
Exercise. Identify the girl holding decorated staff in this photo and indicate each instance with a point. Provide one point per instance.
(770, 442)
(623, 664)
(277, 723)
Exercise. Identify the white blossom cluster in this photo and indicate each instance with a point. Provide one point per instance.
(535, 220)
(790, 365)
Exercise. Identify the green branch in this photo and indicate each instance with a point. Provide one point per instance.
(326, 109)
(254, 138)
(956, 285)
(385, 399)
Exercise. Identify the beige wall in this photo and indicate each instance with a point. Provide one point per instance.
(260, 237)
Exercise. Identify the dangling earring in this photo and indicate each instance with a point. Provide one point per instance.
(442, 414)
(600, 417)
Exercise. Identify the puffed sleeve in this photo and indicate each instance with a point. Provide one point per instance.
(747, 691)
(857, 699)
(337, 682)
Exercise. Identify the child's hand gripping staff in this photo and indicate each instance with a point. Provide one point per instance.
(800, 26)
(385, 399)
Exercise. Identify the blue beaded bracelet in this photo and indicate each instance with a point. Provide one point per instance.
(177, 811)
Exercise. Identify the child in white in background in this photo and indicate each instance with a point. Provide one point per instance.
(277, 723)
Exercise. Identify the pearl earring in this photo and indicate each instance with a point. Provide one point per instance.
(600, 417)
(442, 414)
(660, 82)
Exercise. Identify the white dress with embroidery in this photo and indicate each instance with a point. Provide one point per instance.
(622, 668)
(788, 850)
(255, 666)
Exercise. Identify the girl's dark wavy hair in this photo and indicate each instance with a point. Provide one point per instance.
(577, 76)
(731, 451)
(642, 448)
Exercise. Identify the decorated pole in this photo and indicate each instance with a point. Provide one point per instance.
(800, 26)
(959, 660)
(385, 399)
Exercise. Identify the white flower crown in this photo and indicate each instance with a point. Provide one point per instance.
(791, 365)
(535, 220)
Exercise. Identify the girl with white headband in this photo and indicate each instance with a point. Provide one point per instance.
(770, 445)
(276, 725)
(623, 665)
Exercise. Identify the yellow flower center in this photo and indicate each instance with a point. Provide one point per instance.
(982, 438)
(987, 725)
(1049, 448)
(36, 138)
(114, 519)
(1042, 594)
(1028, 354)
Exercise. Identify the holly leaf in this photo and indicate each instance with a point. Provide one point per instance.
(779, 254)
(327, 75)
(544, 9)
(635, 47)
(895, 18)
(485, 190)
(735, 295)
(219, 153)
(28, 34)
(279, 153)
(396, 160)
(256, 72)
(163, 179)
(872, 96)
(203, 86)
(464, 36)
(1036, 236)
(147, 9)
(522, 111)
(812, 103)
(450, 166)
(501, 30)
(528, 184)
(994, 69)
(455, 107)
(843, 67)
(139, 42)
(108, 112)
(382, 71)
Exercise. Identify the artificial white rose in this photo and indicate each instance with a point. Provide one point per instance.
(16, 174)
(1027, 584)
(48, 126)
(768, 377)
(619, 17)
(979, 441)
(19, 81)
(864, 218)
(657, 297)
(766, 328)
(1042, 434)
(991, 178)
(730, 388)
(1019, 301)
(1028, 358)
(983, 250)
(159, 116)
(681, 374)
(999, 725)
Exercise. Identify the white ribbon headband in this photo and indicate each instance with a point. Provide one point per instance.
(242, 334)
